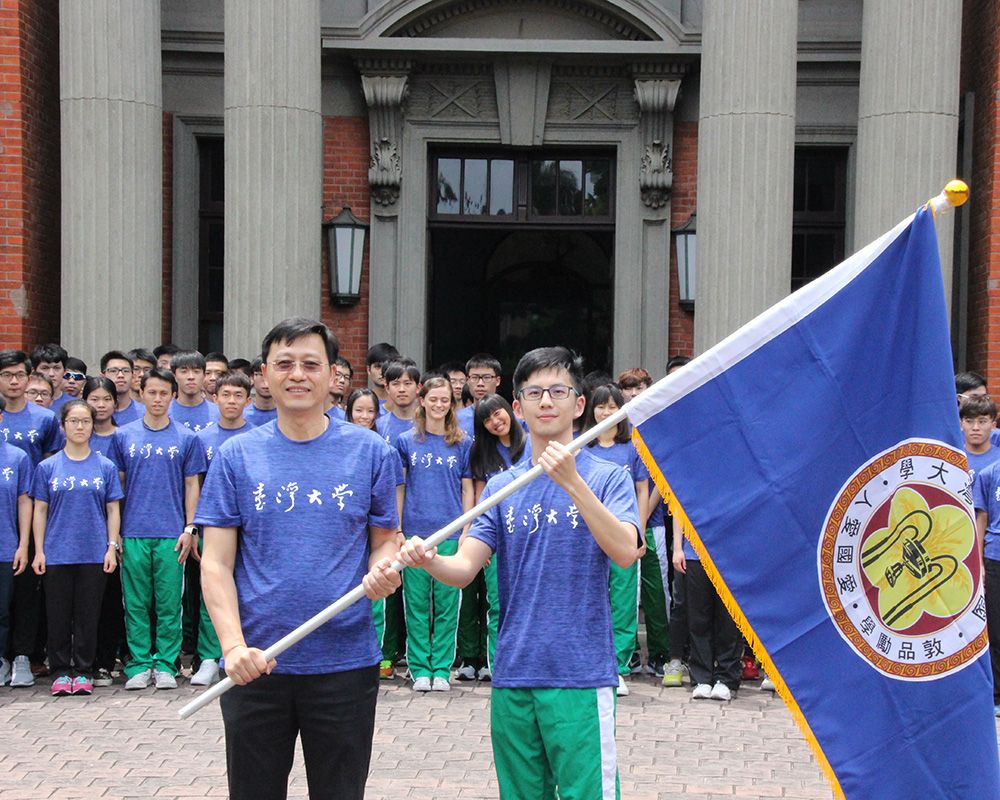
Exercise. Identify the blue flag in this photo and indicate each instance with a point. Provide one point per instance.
(815, 461)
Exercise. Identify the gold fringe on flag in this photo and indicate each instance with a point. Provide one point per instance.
(733, 607)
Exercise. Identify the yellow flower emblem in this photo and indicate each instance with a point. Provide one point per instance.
(916, 562)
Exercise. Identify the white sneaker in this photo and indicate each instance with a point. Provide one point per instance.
(441, 685)
(701, 692)
(466, 672)
(721, 692)
(623, 689)
(4, 671)
(767, 685)
(484, 674)
(422, 684)
(21, 675)
(140, 680)
(164, 680)
(207, 674)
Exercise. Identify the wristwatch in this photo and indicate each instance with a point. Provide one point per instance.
(115, 545)
(193, 530)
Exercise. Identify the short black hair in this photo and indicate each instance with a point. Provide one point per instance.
(235, 378)
(188, 358)
(452, 366)
(600, 395)
(141, 354)
(432, 373)
(549, 358)
(160, 374)
(340, 361)
(3, 404)
(256, 366)
(113, 354)
(380, 353)
(394, 370)
(50, 353)
(76, 365)
(967, 381)
(595, 378)
(241, 365)
(979, 405)
(293, 328)
(11, 358)
(484, 360)
(165, 350)
(41, 376)
(217, 357)
(675, 362)
(100, 382)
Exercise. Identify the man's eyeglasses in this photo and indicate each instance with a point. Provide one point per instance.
(38, 394)
(558, 391)
(118, 371)
(13, 376)
(284, 367)
(482, 378)
(74, 376)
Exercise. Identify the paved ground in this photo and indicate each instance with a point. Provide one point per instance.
(119, 744)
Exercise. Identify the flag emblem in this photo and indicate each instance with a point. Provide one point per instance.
(898, 563)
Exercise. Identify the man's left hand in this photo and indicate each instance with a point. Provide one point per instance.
(382, 580)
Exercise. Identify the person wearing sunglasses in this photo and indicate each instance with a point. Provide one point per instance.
(74, 377)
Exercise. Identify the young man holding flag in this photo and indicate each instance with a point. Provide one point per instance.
(552, 718)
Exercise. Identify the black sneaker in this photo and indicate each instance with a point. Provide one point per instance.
(656, 666)
(635, 663)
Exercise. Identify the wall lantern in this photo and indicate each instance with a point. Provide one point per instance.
(686, 238)
(345, 235)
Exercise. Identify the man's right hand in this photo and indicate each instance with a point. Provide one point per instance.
(680, 563)
(413, 553)
(245, 664)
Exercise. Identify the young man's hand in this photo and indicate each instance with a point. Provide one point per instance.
(110, 560)
(559, 464)
(245, 664)
(20, 562)
(38, 565)
(413, 553)
(185, 543)
(680, 563)
(382, 580)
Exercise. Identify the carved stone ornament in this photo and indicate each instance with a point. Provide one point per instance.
(656, 99)
(385, 172)
(385, 94)
(657, 176)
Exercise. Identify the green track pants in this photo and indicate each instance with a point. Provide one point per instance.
(431, 620)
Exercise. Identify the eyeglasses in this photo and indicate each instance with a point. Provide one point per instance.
(82, 422)
(119, 371)
(285, 367)
(482, 378)
(38, 394)
(74, 376)
(558, 391)
(13, 376)
(344, 376)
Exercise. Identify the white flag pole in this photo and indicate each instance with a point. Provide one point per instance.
(358, 592)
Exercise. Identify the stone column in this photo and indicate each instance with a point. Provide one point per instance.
(907, 115)
(111, 110)
(746, 150)
(274, 168)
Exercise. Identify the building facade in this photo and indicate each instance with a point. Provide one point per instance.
(523, 166)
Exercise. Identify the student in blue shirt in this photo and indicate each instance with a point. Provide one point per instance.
(77, 541)
(121, 369)
(615, 445)
(261, 410)
(190, 408)
(160, 461)
(15, 531)
(435, 456)
(552, 718)
(377, 355)
(50, 361)
(35, 430)
(74, 377)
(142, 362)
(977, 416)
(297, 513)
(402, 381)
(484, 374)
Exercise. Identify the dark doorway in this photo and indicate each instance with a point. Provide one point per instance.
(211, 240)
(506, 290)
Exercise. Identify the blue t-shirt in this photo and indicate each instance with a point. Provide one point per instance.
(552, 579)
(302, 511)
(625, 456)
(390, 427)
(504, 452)
(15, 480)
(986, 497)
(77, 492)
(60, 401)
(155, 464)
(35, 430)
(102, 444)
(979, 461)
(259, 416)
(467, 421)
(657, 519)
(337, 413)
(212, 437)
(434, 472)
(133, 411)
(995, 437)
(195, 418)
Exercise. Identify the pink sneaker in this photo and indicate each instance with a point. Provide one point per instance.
(82, 685)
(62, 686)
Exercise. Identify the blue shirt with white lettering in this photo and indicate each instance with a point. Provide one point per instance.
(15, 480)
(33, 429)
(259, 416)
(102, 443)
(552, 579)
(302, 511)
(211, 438)
(986, 497)
(434, 472)
(195, 418)
(76, 530)
(133, 411)
(155, 464)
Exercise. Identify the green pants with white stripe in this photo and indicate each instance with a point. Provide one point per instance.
(551, 743)
(492, 609)
(652, 595)
(472, 621)
(208, 641)
(623, 584)
(152, 583)
(431, 620)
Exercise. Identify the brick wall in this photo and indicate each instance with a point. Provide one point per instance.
(168, 226)
(29, 172)
(345, 183)
(981, 75)
(683, 205)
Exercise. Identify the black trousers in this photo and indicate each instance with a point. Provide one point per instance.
(73, 596)
(27, 612)
(992, 587)
(715, 640)
(334, 714)
(678, 637)
(111, 625)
